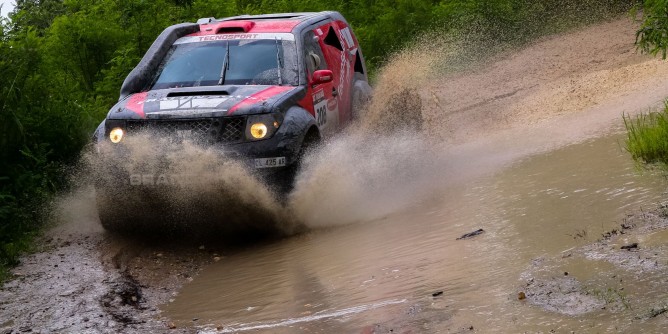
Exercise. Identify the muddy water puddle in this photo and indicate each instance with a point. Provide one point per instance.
(382, 275)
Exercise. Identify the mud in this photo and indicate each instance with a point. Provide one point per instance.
(554, 77)
(383, 210)
(66, 288)
(83, 280)
(555, 291)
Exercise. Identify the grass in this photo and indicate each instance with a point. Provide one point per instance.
(12, 250)
(613, 297)
(647, 136)
(18, 230)
(24, 197)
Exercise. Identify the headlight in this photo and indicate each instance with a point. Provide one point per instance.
(116, 135)
(263, 126)
(258, 130)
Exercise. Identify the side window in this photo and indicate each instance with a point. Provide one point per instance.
(332, 39)
(313, 56)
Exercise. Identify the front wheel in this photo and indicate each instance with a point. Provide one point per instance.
(284, 180)
(109, 213)
(360, 99)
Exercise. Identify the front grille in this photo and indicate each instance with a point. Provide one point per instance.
(233, 130)
(227, 130)
(198, 127)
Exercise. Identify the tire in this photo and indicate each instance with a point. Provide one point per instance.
(110, 219)
(360, 98)
(127, 212)
(284, 180)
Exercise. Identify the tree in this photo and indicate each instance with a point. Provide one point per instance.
(652, 36)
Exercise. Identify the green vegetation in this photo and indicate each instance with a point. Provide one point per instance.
(647, 136)
(652, 37)
(62, 63)
(648, 133)
(613, 297)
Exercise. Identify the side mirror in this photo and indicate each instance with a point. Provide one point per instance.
(322, 76)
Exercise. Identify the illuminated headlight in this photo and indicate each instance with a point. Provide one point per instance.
(116, 135)
(263, 126)
(258, 130)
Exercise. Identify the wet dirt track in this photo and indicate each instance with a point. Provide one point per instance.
(384, 273)
(517, 160)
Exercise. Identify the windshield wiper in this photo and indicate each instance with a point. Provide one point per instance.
(226, 65)
(278, 62)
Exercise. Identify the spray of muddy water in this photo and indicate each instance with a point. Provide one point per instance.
(154, 182)
(375, 167)
(384, 162)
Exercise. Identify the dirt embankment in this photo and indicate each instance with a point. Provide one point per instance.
(557, 76)
(83, 280)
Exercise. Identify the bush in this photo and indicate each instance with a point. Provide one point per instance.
(647, 136)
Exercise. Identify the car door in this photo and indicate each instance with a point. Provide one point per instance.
(337, 49)
(320, 99)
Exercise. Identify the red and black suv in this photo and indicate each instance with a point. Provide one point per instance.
(260, 87)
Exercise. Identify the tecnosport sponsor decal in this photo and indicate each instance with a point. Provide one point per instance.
(228, 37)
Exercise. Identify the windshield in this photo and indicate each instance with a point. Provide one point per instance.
(251, 62)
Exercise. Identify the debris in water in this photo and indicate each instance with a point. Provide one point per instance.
(437, 293)
(521, 296)
(630, 246)
(610, 234)
(658, 311)
(171, 325)
(471, 234)
(627, 226)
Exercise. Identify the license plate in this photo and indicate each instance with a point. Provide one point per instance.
(270, 162)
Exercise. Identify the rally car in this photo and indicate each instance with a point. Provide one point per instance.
(260, 87)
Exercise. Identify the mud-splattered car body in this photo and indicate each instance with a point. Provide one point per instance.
(269, 86)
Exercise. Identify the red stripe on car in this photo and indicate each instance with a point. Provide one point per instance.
(136, 104)
(260, 96)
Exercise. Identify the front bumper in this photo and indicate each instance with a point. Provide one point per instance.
(150, 160)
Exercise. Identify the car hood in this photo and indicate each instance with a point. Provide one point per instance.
(215, 101)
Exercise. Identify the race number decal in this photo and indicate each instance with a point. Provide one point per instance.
(320, 108)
